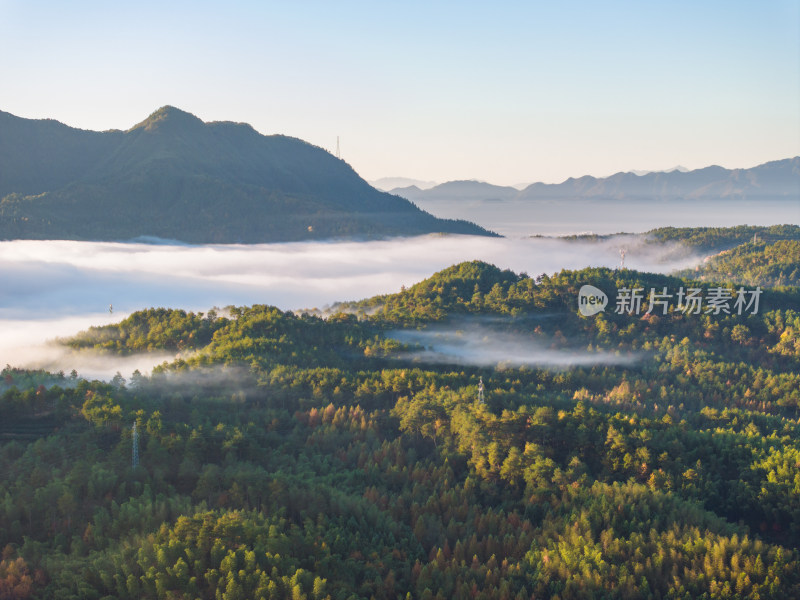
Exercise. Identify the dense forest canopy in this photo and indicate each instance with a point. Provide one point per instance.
(724, 238)
(286, 455)
(746, 254)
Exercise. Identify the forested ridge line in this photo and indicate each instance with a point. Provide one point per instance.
(289, 455)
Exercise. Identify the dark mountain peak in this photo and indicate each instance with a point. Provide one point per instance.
(464, 189)
(792, 164)
(175, 177)
(583, 179)
(464, 182)
(408, 189)
(167, 118)
(710, 169)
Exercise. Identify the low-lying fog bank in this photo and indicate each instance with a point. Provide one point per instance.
(57, 288)
(480, 343)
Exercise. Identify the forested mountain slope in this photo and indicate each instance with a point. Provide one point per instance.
(287, 456)
(174, 176)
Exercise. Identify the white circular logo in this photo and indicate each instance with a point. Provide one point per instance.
(591, 300)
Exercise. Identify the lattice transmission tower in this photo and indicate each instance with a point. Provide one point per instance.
(135, 450)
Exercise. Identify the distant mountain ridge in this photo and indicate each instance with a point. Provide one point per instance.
(390, 183)
(175, 176)
(778, 179)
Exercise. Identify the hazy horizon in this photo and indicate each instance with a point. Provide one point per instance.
(606, 217)
(380, 182)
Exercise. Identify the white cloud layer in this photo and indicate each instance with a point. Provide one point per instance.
(479, 345)
(56, 288)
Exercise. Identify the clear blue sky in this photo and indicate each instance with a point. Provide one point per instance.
(507, 92)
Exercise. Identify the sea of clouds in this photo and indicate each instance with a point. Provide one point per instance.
(54, 289)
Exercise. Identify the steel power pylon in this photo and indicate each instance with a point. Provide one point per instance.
(135, 450)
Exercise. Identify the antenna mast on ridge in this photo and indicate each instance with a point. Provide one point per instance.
(338, 153)
(135, 452)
